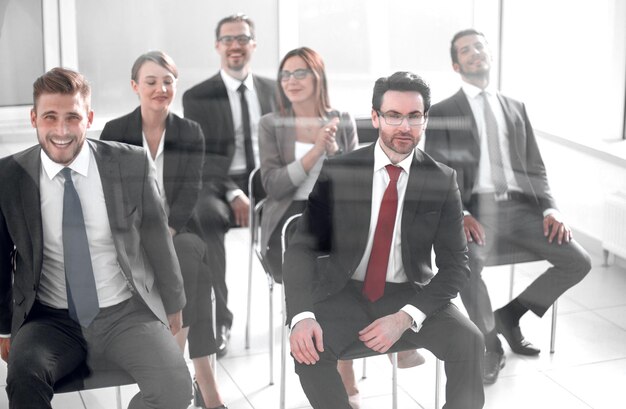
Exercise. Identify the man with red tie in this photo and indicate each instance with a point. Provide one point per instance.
(357, 271)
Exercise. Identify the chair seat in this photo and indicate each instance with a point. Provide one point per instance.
(104, 375)
(359, 350)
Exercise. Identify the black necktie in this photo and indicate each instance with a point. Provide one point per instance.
(247, 134)
(495, 153)
(82, 298)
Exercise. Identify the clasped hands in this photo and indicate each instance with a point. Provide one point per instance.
(306, 338)
(325, 140)
(553, 228)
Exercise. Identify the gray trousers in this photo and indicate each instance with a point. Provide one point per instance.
(50, 346)
(520, 224)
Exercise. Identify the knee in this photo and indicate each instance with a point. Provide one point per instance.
(173, 393)
(468, 343)
(26, 371)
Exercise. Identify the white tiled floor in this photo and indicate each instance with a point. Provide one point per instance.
(588, 369)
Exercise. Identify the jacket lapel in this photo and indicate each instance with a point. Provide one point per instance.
(171, 159)
(466, 112)
(31, 204)
(412, 200)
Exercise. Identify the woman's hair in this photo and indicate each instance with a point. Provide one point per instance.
(158, 57)
(315, 63)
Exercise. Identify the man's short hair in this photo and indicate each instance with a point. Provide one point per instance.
(62, 81)
(235, 18)
(462, 33)
(400, 81)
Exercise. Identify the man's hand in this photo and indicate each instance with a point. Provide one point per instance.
(381, 334)
(5, 345)
(305, 340)
(473, 230)
(241, 208)
(554, 226)
(176, 321)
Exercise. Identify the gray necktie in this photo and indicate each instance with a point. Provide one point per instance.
(493, 142)
(82, 298)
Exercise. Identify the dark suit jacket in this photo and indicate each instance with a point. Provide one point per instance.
(452, 138)
(336, 222)
(207, 103)
(183, 158)
(138, 224)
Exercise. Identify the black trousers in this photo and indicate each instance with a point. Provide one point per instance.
(519, 223)
(448, 334)
(198, 311)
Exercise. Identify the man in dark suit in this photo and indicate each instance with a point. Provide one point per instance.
(488, 139)
(377, 213)
(87, 266)
(228, 107)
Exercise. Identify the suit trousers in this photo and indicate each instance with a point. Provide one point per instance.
(448, 334)
(198, 312)
(519, 223)
(50, 345)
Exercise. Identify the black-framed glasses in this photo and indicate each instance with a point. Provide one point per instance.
(395, 119)
(298, 74)
(241, 39)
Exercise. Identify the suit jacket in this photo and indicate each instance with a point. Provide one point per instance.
(452, 138)
(138, 224)
(337, 221)
(183, 158)
(279, 168)
(207, 103)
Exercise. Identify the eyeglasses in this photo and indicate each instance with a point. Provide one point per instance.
(242, 39)
(298, 74)
(395, 119)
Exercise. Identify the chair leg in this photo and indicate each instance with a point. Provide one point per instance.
(364, 369)
(213, 357)
(553, 328)
(118, 397)
(394, 380)
(271, 332)
(437, 383)
(283, 349)
(249, 306)
(511, 281)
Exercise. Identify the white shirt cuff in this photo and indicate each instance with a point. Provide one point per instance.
(416, 314)
(549, 211)
(5, 335)
(301, 316)
(232, 194)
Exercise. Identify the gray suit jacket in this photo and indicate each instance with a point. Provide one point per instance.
(138, 224)
(452, 138)
(280, 172)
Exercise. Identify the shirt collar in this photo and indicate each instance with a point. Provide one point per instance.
(472, 91)
(80, 164)
(233, 83)
(381, 159)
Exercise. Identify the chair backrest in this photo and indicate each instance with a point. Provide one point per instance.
(256, 192)
(365, 130)
(289, 227)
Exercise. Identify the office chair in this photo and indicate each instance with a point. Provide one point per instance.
(257, 200)
(358, 350)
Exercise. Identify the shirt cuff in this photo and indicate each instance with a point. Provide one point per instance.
(466, 213)
(232, 194)
(416, 314)
(550, 210)
(301, 316)
(5, 335)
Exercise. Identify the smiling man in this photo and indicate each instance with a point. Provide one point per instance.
(377, 213)
(488, 139)
(228, 107)
(87, 265)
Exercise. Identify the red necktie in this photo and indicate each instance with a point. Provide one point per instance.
(374, 285)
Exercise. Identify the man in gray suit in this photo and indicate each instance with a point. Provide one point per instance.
(87, 266)
(228, 107)
(488, 139)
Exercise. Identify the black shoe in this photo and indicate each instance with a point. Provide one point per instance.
(222, 338)
(494, 361)
(513, 335)
(198, 400)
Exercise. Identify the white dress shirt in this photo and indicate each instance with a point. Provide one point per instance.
(305, 188)
(157, 165)
(111, 283)
(395, 268)
(238, 165)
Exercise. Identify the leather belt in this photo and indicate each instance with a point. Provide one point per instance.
(503, 197)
